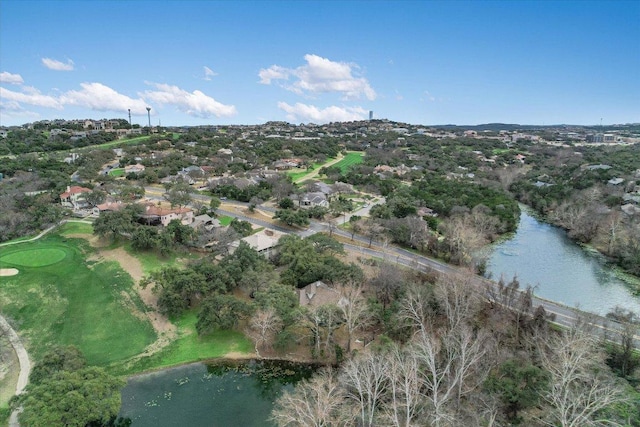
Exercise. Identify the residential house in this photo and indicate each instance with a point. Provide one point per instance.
(154, 215)
(137, 168)
(74, 197)
(107, 207)
(310, 200)
(204, 221)
(265, 242)
(319, 293)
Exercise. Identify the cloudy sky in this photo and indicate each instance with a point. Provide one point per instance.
(422, 62)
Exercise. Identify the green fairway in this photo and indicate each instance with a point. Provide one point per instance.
(33, 257)
(117, 172)
(299, 173)
(190, 347)
(89, 304)
(352, 158)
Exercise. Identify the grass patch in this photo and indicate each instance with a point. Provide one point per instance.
(190, 347)
(152, 261)
(297, 174)
(225, 220)
(117, 172)
(352, 158)
(72, 303)
(69, 228)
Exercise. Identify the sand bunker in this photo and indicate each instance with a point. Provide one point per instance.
(4, 272)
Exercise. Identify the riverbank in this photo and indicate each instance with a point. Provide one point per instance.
(541, 255)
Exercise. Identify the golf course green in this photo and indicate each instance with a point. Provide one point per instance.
(83, 302)
(34, 257)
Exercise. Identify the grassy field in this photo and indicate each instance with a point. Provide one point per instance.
(352, 158)
(64, 298)
(117, 172)
(298, 173)
(190, 347)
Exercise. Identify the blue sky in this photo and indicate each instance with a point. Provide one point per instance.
(421, 62)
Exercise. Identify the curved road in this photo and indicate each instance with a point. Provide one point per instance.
(23, 359)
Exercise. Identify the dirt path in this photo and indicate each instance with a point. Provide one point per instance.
(23, 359)
(315, 172)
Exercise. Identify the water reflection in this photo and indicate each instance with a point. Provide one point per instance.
(543, 256)
(220, 394)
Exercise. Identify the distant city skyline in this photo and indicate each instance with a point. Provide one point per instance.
(216, 63)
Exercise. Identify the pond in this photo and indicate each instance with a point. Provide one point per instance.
(210, 395)
(541, 255)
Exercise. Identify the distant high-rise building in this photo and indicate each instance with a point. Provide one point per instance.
(370, 115)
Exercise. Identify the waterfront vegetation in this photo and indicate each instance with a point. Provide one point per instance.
(189, 347)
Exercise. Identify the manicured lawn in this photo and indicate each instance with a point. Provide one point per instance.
(225, 220)
(352, 158)
(73, 301)
(298, 173)
(189, 347)
(117, 172)
(33, 257)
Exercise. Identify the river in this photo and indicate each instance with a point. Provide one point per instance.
(541, 255)
(223, 394)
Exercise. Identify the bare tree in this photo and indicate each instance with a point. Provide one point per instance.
(437, 362)
(458, 298)
(323, 320)
(405, 388)
(316, 402)
(365, 380)
(263, 326)
(579, 389)
(418, 232)
(387, 283)
(508, 175)
(354, 310)
(462, 239)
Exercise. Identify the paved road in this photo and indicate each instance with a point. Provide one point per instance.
(564, 315)
(23, 360)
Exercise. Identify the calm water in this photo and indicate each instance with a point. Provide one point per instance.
(201, 395)
(542, 256)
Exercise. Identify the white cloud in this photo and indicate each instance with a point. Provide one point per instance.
(54, 64)
(275, 72)
(310, 113)
(208, 73)
(99, 97)
(14, 79)
(193, 103)
(29, 95)
(320, 75)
